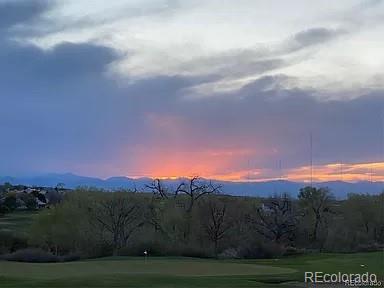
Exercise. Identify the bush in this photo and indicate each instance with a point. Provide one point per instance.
(10, 242)
(292, 251)
(230, 253)
(31, 255)
(262, 251)
(370, 247)
(36, 255)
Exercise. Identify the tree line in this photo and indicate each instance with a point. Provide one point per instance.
(195, 219)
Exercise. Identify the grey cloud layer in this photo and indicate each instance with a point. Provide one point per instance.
(255, 62)
(14, 12)
(61, 112)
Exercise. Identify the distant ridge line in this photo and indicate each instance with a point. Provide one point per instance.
(264, 188)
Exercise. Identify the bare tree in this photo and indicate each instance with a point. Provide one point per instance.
(157, 188)
(275, 219)
(117, 216)
(216, 222)
(195, 188)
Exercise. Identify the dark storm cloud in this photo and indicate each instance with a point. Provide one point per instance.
(55, 103)
(19, 11)
(343, 130)
(31, 66)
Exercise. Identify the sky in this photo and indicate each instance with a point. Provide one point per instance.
(230, 90)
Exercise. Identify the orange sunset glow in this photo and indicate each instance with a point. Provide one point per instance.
(339, 172)
(320, 173)
(215, 164)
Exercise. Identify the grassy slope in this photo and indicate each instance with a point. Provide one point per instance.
(17, 222)
(182, 272)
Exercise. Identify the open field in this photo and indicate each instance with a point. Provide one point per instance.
(185, 272)
(18, 222)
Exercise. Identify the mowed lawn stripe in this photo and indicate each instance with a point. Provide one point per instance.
(136, 266)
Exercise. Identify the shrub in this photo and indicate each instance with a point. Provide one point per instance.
(31, 255)
(230, 253)
(370, 247)
(36, 255)
(262, 251)
(291, 251)
(10, 242)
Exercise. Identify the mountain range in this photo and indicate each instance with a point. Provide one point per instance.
(266, 188)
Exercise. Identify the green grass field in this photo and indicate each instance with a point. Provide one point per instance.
(175, 272)
(185, 272)
(17, 222)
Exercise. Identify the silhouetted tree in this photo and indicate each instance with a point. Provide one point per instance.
(276, 219)
(157, 188)
(216, 221)
(195, 188)
(118, 216)
(316, 203)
